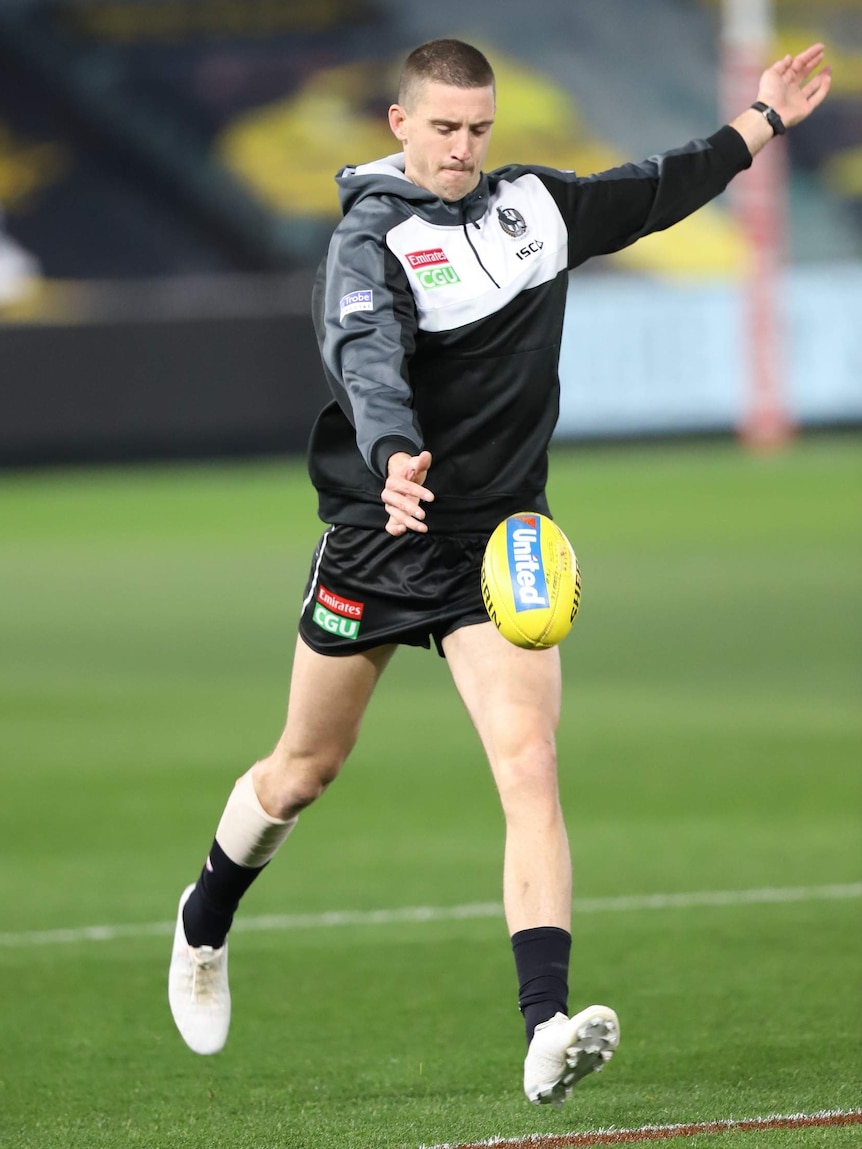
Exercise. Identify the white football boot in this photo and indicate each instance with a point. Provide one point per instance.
(565, 1049)
(198, 990)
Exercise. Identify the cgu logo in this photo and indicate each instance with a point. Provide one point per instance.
(335, 624)
(438, 276)
(530, 249)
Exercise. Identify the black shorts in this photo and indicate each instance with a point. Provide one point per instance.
(369, 588)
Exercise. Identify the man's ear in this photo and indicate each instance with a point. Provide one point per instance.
(398, 121)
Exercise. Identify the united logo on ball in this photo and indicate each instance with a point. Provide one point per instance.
(531, 583)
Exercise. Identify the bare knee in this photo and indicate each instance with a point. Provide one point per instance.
(288, 781)
(527, 781)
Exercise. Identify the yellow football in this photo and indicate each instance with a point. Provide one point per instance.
(530, 581)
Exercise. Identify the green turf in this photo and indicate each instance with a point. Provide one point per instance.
(711, 740)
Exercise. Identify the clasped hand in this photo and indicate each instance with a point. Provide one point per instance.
(404, 492)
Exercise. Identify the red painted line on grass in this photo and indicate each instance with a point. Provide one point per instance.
(668, 1132)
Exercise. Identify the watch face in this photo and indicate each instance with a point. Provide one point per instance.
(775, 121)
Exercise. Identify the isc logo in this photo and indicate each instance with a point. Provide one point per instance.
(530, 249)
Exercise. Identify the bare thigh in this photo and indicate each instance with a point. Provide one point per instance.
(513, 698)
(328, 699)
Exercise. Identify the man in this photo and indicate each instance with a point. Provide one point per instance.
(439, 312)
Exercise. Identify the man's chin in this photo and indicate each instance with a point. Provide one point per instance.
(452, 189)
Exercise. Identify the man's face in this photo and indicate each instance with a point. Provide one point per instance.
(445, 135)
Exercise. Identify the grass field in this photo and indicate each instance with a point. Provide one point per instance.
(711, 741)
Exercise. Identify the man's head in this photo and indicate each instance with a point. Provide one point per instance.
(443, 118)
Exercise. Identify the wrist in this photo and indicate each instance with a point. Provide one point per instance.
(754, 130)
(395, 460)
(385, 448)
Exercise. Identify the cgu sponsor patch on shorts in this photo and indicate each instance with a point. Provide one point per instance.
(336, 614)
(432, 267)
(355, 301)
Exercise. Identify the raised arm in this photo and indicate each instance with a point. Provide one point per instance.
(612, 209)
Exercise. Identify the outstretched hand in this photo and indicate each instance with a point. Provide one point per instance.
(789, 88)
(404, 491)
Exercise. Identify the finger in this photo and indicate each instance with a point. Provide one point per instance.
(401, 505)
(410, 489)
(419, 470)
(804, 67)
(399, 526)
(811, 51)
(416, 492)
(818, 89)
(805, 63)
(406, 493)
(409, 507)
(812, 86)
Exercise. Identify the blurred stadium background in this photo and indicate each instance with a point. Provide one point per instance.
(166, 182)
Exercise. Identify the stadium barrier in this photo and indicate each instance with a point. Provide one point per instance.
(161, 389)
(232, 369)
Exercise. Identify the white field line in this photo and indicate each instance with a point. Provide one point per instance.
(613, 1136)
(420, 914)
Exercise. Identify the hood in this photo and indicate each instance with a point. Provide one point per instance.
(386, 177)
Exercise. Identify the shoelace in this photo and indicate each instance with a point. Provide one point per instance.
(206, 971)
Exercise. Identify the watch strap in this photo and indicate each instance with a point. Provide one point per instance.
(771, 116)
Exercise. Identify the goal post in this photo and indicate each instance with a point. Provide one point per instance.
(758, 200)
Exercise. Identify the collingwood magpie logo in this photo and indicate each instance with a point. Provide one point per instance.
(512, 222)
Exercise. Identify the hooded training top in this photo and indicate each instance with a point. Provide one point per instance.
(440, 323)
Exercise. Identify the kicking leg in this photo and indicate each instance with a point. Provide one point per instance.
(328, 698)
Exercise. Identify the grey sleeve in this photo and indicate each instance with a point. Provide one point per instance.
(367, 331)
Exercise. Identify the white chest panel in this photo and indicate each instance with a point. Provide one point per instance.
(521, 242)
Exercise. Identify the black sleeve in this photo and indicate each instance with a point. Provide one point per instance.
(609, 211)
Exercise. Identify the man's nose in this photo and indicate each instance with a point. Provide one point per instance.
(461, 146)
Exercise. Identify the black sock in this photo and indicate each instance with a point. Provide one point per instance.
(208, 913)
(542, 964)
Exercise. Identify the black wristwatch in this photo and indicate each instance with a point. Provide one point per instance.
(771, 116)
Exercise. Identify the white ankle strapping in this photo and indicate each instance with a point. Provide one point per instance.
(247, 834)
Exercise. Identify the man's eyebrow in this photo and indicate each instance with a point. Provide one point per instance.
(439, 123)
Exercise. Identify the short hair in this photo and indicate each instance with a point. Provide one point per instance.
(449, 62)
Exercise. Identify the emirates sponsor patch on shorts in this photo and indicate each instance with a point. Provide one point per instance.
(336, 614)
